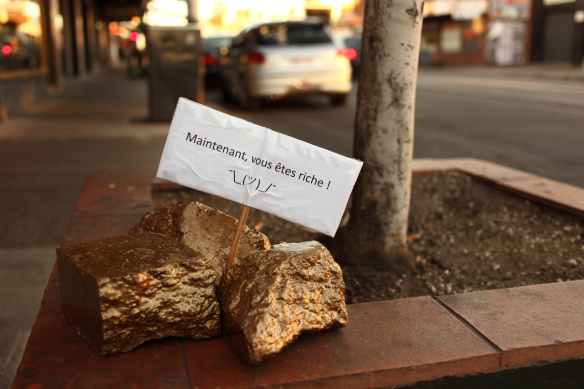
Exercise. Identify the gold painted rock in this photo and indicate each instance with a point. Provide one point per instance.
(121, 291)
(203, 229)
(269, 298)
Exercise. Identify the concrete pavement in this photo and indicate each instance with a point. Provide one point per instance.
(564, 72)
(97, 109)
(95, 124)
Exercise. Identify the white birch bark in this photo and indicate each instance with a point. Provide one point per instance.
(384, 130)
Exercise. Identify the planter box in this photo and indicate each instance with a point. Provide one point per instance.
(466, 339)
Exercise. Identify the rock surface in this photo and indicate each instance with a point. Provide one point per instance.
(121, 291)
(205, 230)
(269, 298)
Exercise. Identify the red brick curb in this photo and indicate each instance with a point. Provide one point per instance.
(387, 343)
(553, 193)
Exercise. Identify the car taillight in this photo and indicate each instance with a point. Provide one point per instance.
(209, 59)
(351, 53)
(255, 57)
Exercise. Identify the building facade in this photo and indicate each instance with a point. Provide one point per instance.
(476, 32)
(44, 41)
(503, 32)
(558, 31)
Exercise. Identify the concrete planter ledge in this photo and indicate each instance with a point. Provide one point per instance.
(479, 339)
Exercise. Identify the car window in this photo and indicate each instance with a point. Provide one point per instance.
(353, 42)
(291, 34)
(216, 43)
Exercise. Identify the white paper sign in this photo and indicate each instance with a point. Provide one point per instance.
(229, 157)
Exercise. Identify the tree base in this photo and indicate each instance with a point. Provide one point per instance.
(346, 252)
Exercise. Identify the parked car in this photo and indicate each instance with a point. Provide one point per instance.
(353, 52)
(214, 48)
(280, 59)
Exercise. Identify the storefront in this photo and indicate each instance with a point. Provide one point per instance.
(558, 31)
(44, 41)
(454, 32)
(23, 58)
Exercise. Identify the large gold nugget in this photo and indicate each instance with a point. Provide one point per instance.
(121, 291)
(203, 229)
(269, 298)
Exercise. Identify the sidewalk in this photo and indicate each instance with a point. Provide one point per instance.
(107, 96)
(559, 72)
(43, 167)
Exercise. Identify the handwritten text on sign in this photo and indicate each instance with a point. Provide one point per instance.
(243, 162)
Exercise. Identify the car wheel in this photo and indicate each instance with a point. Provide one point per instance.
(339, 99)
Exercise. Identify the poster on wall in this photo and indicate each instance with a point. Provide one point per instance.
(451, 40)
(506, 42)
(510, 9)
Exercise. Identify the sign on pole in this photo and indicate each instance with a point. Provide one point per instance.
(229, 157)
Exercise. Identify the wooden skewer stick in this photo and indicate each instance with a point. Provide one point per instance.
(238, 232)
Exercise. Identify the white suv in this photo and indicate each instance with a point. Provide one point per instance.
(274, 60)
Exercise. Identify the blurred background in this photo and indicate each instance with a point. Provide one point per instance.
(89, 86)
(45, 42)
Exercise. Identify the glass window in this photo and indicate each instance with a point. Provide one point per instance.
(292, 34)
(20, 35)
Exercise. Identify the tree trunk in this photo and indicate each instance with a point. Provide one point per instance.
(384, 134)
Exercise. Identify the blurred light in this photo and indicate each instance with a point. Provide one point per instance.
(98, 25)
(166, 13)
(6, 50)
(255, 57)
(346, 53)
(14, 42)
(301, 84)
(113, 28)
(141, 42)
(342, 56)
(478, 26)
(136, 20)
(59, 22)
(123, 32)
(209, 59)
(32, 9)
(351, 53)
(134, 36)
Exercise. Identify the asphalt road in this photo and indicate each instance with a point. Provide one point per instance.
(533, 124)
(99, 124)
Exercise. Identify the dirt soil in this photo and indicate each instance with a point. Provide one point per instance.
(464, 235)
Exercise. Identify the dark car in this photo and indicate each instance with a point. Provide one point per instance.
(214, 48)
(353, 52)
